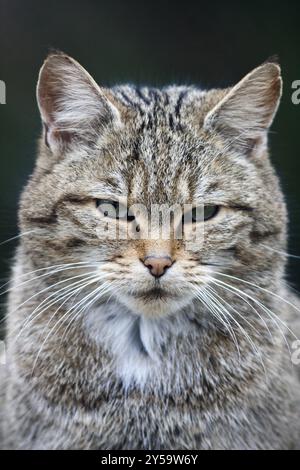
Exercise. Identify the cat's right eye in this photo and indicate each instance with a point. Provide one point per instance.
(113, 210)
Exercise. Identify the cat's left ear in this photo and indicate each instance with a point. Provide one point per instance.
(247, 110)
(74, 109)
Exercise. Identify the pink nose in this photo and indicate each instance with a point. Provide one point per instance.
(157, 265)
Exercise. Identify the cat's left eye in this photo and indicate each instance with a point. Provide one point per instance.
(202, 213)
(210, 211)
(113, 210)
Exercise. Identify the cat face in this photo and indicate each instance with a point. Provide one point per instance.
(111, 160)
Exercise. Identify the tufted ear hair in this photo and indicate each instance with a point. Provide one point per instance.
(73, 107)
(247, 110)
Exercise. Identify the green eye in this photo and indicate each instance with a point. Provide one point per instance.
(200, 214)
(210, 212)
(113, 210)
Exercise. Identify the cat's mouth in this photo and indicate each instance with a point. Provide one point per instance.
(155, 293)
(156, 300)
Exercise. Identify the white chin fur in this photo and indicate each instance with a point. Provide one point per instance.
(154, 308)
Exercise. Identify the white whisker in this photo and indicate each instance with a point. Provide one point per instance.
(258, 287)
(17, 236)
(62, 319)
(262, 306)
(284, 253)
(97, 296)
(244, 332)
(251, 306)
(60, 268)
(219, 315)
(47, 289)
(57, 297)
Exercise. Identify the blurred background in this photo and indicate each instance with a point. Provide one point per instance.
(149, 42)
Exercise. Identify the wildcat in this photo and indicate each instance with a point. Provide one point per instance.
(151, 343)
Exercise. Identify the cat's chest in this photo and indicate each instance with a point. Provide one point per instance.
(142, 348)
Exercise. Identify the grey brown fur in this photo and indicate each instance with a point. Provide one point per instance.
(135, 371)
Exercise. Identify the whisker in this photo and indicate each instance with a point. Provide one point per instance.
(262, 306)
(66, 290)
(66, 314)
(284, 253)
(75, 291)
(47, 289)
(220, 317)
(247, 336)
(17, 236)
(96, 297)
(251, 306)
(258, 287)
(233, 309)
(258, 302)
(60, 268)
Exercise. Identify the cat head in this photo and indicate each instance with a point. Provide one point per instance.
(111, 158)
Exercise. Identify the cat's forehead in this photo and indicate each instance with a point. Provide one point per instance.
(163, 169)
(169, 107)
(160, 155)
(156, 183)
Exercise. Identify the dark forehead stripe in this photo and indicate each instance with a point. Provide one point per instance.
(141, 95)
(171, 121)
(127, 99)
(179, 103)
(155, 106)
(125, 95)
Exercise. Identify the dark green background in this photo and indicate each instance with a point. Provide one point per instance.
(211, 44)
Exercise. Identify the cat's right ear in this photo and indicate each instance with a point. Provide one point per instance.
(246, 112)
(74, 109)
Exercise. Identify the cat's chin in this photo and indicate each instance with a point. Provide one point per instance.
(154, 303)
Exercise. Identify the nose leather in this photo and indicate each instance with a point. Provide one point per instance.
(157, 265)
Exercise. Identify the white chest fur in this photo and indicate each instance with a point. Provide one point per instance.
(136, 343)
